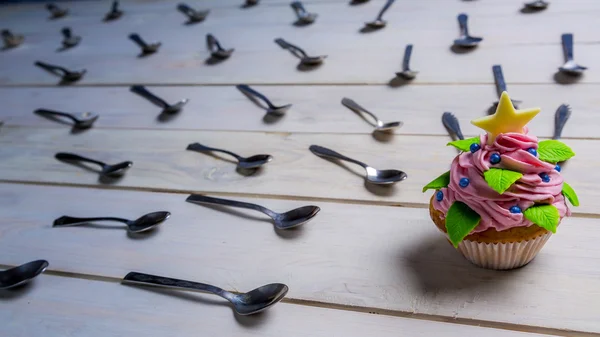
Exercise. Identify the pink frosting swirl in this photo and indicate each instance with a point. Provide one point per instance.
(494, 208)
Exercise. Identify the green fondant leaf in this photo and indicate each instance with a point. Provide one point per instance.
(465, 144)
(460, 221)
(545, 216)
(439, 182)
(500, 180)
(570, 194)
(554, 151)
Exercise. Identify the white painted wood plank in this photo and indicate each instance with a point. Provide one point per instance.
(58, 306)
(315, 108)
(388, 258)
(161, 162)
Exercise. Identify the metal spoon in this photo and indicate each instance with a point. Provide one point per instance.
(251, 2)
(379, 125)
(66, 74)
(451, 123)
(215, 48)
(560, 119)
(167, 108)
(374, 176)
(11, 40)
(107, 170)
(114, 13)
(302, 14)
(69, 40)
(406, 72)
(81, 120)
(271, 108)
(248, 303)
(379, 22)
(501, 85)
(244, 163)
(22, 274)
(192, 14)
(144, 223)
(56, 11)
(287, 220)
(570, 67)
(300, 53)
(465, 40)
(146, 48)
(537, 5)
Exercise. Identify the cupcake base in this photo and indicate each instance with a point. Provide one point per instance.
(503, 250)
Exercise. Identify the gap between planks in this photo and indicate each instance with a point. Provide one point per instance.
(360, 309)
(248, 195)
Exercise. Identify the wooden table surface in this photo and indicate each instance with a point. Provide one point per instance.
(371, 263)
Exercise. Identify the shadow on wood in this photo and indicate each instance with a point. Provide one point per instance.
(562, 78)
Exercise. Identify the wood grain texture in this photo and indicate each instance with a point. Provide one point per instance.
(161, 162)
(182, 59)
(97, 309)
(316, 109)
(383, 258)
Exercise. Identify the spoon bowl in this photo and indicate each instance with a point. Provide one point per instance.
(116, 169)
(387, 127)
(538, 4)
(71, 41)
(254, 161)
(307, 17)
(259, 299)
(571, 68)
(376, 24)
(173, 108)
(151, 48)
(313, 60)
(467, 41)
(72, 76)
(278, 110)
(384, 177)
(295, 217)
(22, 274)
(222, 53)
(407, 74)
(147, 222)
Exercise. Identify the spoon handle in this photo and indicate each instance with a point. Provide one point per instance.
(451, 123)
(567, 42)
(185, 9)
(198, 198)
(201, 148)
(212, 42)
(142, 91)
(352, 105)
(7, 34)
(560, 119)
(51, 67)
(499, 79)
(462, 23)
(387, 5)
(138, 39)
(66, 32)
(115, 6)
(286, 45)
(407, 54)
(161, 281)
(72, 156)
(72, 221)
(325, 152)
(298, 7)
(57, 113)
(246, 89)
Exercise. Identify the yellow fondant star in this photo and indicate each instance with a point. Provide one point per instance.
(506, 119)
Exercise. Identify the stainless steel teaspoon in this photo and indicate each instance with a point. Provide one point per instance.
(144, 223)
(501, 84)
(303, 15)
(570, 67)
(406, 72)
(287, 220)
(560, 119)
(66, 74)
(21, 274)
(379, 22)
(192, 14)
(167, 108)
(114, 12)
(248, 303)
(243, 162)
(107, 170)
(379, 125)
(11, 40)
(271, 108)
(300, 53)
(451, 123)
(69, 40)
(81, 120)
(465, 40)
(147, 48)
(215, 48)
(374, 176)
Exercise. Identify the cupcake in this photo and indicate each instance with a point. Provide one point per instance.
(504, 195)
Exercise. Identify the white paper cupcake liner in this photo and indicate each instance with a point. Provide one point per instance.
(502, 256)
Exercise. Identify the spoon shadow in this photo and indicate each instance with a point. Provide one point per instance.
(308, 67)
(300, 23)
(357, 2)
(529, 10)
(63, 49)
(271, 118)
(382, 136)
(165, 117)
(345, 166)
(369, 29)
(211, 61)
(462, 50)
(144, 235)
(109, 179)
(7, 48)
(562, 78)
(247, 172)
(397, 82)
(17, 292)
(290, 233)
(252, 321)
(380, 190)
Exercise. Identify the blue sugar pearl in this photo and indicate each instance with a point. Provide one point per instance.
(532, 151)
(545, 177)
(557, 167)
(439, 195)
(515, 209)
(464, 182)
(495, 158)
(474, 147)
